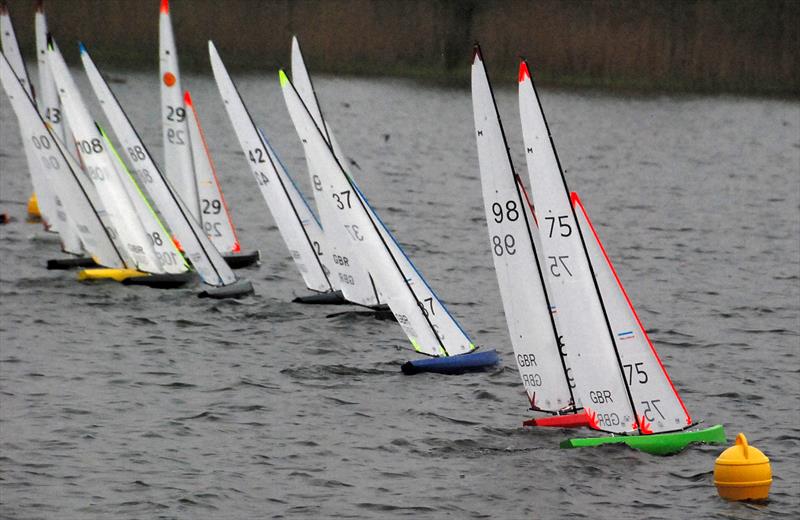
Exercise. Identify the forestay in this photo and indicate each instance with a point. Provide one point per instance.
(177, 152)
(348, 273)
(296, 223)
(580, 317)
(44, 194)
(511, 231)
(216, 219)
(205, 258)
(427, 323)
(660, 406)
(67, 177)
(99, 165)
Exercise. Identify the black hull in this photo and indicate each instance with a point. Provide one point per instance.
(326, 298)
(237, 289)
(161, 281)
(241, 260)
(71, 263)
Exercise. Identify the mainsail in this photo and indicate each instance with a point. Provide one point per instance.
(177, 151)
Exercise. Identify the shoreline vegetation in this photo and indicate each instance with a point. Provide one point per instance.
(696, 46)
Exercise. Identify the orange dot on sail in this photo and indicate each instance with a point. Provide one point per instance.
(169, 79)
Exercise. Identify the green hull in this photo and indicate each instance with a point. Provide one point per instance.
(656, 444)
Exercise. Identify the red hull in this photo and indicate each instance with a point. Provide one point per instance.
(573, 420)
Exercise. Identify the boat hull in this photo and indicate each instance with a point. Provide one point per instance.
(161, 281)
(571, 420)
(237, 289)
(459, 364)
(326, 298)
(655, 444)
(70, 263)
(117, 275)
(241, 260)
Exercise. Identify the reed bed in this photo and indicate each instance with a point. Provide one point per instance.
(742, 46)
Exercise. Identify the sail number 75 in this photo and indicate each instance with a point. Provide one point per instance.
(555, 270)
(563, 226)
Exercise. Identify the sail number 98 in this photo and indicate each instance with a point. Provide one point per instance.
(504, 245)
(511, 212)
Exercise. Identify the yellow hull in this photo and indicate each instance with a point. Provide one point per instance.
(109, 274)
(33, 209)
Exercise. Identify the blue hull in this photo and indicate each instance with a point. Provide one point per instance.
(452, 364)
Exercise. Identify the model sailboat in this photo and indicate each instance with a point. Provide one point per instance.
(430, 327)
(296, 223)
(188, 162)
(347, 273)
(624, 387)
(67, 177)
(151, 257)
(514, 244)
(44, 197)
(205, 258)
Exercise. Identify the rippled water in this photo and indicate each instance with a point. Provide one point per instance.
(129, 402)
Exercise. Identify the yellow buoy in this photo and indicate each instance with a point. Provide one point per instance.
(33, 209)
(742, 472)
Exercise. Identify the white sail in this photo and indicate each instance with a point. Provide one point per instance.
(216, 219)
(177, 150)
(427, 323)
(205, 258)
(8, 38)
(49, 103)
(171, 259)
(348, 274)
(296, 223)
(511, 239)
(44, 194)
(660, 407)
(50, 108)
(67, 178)
(580, 318)
(101, 170)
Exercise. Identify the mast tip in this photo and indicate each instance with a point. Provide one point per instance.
(39, 6)
(523, 70)
(476, 52)
(164, 6)
(187, 98)
(82, 48)
(282, 77)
